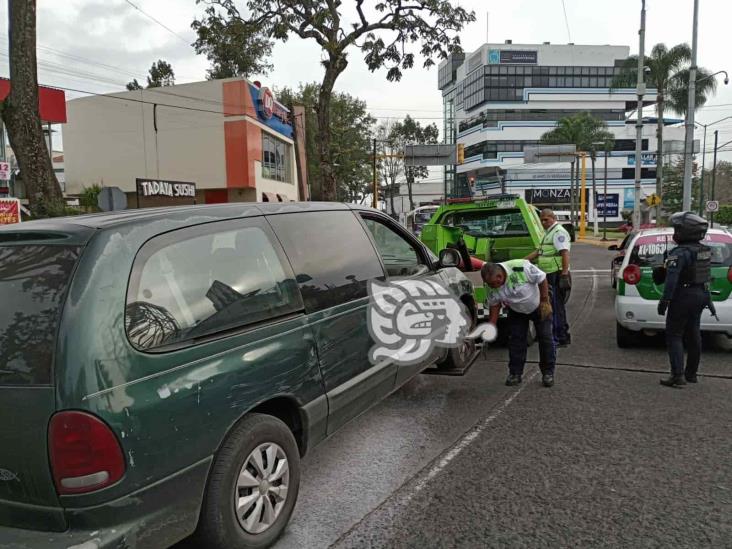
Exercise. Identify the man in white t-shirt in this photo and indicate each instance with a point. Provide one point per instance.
(523, 288)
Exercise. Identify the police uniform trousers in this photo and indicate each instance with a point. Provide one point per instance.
(683, 322)
(559, 315)
(518, 326)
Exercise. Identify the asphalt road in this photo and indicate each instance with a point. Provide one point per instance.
(606, 458)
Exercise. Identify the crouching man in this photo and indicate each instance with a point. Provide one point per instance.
(523, 288)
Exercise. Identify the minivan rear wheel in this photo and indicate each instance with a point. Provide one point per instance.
(252, 487)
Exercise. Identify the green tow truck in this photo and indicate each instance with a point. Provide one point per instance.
(492, 229)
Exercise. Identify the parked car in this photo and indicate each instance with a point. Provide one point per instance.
(637, 296)
(163, 371)
(617, 260)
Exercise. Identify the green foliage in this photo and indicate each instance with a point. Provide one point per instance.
(673, 187)
(351, 130)
(725, 215)
(232, 47)
(669, 75)
(89, 196)
(722, 184)
(581, 129)
(160, 74)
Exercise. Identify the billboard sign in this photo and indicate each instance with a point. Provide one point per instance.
(4, 171)
(647, 159)
(512, 57)
(608, 204)
(9, 211)
(551, 197)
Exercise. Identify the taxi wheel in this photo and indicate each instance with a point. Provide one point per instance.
(625, 338)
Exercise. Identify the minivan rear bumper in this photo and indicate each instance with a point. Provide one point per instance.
(157, 516)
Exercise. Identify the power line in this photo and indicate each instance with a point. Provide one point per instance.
(566, 21)
(171, 31)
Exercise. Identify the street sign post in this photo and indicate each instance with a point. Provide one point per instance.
(712, 205)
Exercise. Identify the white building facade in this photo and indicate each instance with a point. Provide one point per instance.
(503, 97)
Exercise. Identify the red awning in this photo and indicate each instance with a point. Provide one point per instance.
(51, 102)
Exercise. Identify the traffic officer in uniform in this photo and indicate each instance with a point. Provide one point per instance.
(552, 257)
(685, 295)
(523, 288)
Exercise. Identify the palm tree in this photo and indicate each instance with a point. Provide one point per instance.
(669, 75)
(584, 131)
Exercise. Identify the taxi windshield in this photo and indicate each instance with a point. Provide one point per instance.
(490, 223)
(651, 250)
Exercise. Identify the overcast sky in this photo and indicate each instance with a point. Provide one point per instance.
(99, 45)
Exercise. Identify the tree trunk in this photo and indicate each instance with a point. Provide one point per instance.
(22, 116)
(410, 182)
(391, 197)
(659, 154)
(333, 68)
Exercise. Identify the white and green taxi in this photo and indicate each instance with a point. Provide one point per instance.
(637, 294)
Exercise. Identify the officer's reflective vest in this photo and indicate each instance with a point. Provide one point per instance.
(550, 259)
(700, 270)
(515, 276)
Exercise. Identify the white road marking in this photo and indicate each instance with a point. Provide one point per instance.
(463, 443)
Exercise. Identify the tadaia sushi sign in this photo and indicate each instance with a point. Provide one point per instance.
(170, 189)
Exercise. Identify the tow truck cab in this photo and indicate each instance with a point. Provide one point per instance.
(496, 229)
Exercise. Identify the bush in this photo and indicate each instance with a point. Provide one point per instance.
(88, 197)
(725, 215)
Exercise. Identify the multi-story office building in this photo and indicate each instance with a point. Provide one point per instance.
(504, 97)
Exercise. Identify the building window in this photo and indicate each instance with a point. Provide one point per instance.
(276, 159)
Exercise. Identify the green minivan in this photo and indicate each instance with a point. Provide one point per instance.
(162, 371)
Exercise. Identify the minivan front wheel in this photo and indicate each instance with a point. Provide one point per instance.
(253, 486)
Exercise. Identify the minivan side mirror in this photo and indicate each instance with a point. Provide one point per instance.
(449, 257)
(613, 248)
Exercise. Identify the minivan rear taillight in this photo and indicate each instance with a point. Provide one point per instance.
(85, 454)
(632, 274)
(729, 274)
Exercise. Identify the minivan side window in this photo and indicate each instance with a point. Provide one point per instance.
(398, 254)
(208, 279)
(331, 254)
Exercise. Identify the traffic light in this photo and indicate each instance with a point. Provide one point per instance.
(460, 153)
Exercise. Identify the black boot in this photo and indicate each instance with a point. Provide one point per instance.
(547, 380)
(673, 381)
(691, 378)
(513, 379)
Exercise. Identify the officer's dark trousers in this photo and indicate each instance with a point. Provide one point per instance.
(683, 321)
(518, 325)
(559, 316)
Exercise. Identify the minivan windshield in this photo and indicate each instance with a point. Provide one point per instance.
(650, 250)
(33, 283)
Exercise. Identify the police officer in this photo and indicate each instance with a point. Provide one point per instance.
(552, 257)
(686, 294)
(523, 288)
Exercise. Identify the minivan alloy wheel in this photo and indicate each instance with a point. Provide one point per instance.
(261, 488)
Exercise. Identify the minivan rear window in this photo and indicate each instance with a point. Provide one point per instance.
(33, 283)
(650, 250)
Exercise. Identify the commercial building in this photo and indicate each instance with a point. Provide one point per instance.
(206, 142)
(503, 97)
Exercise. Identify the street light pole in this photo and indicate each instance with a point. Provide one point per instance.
(701, 183)
(641, 89)
(604, 202)
(691, 106)
(714, 175)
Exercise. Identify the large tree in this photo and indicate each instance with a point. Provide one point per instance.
(233, 48)
(351, 127)
(390, 163)
(21, 114)
(383, 33)
(411, 132)
(668, 73)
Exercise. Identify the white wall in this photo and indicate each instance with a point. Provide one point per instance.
(112, 140)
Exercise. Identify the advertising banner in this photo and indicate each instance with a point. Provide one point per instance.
(170, 189)
(551, 197)
(9, 211)
(608, 204)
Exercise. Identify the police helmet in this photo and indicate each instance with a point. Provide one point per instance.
(688, 227)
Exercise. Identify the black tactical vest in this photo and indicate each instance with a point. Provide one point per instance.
(700, 269)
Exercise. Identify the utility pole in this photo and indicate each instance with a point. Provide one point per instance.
(604, 209)
(641, 90)
(375, 187)
(714, 175)
(689, 143)
(595, 229)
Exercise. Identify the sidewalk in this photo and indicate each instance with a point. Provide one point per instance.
(598, 241)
